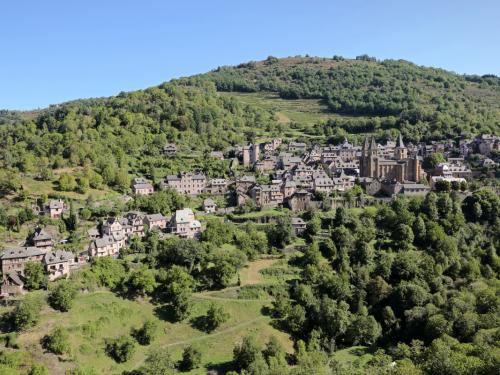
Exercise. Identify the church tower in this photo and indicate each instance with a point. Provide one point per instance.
(400, 152)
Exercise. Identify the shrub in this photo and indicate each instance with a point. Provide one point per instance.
(120, 349)
(57, 341)
(146, 334)
(216, 315)
(191, 358)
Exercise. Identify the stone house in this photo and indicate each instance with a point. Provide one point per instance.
(13, 263)
(209, 206)
(136, 222)
(112, 227)
(267, 195)
(323, 185)
(251, 154)
(170, 149)
(42, 240)
(288, 188)
(142, 188)
(297, 147)
(107, 245)
(156, 221)
(244, 183)
(187, 183)
(58, 263)
(301, 200)
(298, 225)
(184, 224)
(56, 208)
(216, 186)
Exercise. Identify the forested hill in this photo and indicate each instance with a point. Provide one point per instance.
(127, 131)
(424, 102)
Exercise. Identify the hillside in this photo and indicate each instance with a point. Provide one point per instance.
(366, 95)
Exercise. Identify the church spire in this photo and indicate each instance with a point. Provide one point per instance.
(400, 143)
(365, 145)
(373, 144)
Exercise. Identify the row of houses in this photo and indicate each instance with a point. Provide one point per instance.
(115, 233)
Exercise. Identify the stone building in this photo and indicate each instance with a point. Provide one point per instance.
(187, 183)
(400, 167)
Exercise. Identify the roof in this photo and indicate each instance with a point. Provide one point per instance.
(104, 241)
(41, 235)
(146, 185)
(56, 204)
(155, 217)
(14, 276)
(58, 256)
(297, 221)
(208, 202)
(184, 216)
(93, 232)
(21, 252)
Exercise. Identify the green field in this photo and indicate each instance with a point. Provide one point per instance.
(101, 314)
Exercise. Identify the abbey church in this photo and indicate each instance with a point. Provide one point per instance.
(399, 167)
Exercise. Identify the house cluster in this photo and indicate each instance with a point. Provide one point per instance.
(38, 249)
(115, 233)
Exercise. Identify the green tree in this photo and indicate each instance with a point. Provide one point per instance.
(57, 341)
(27, 313)
(120, 349)
(67, 182)
(147, 333)
(62, 295)
(216, 315)
(34, 275)
(246, 352)
(191, 358)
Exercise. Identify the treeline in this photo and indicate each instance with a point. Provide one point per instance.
(448, 104)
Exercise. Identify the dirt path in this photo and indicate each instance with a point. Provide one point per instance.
(215, 334)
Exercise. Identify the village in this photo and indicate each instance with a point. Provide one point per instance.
(296, 175)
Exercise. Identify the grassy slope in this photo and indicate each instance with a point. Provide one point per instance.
(101, 315)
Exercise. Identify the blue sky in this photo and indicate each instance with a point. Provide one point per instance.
(53, 50)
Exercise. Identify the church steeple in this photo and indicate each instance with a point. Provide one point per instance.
(401, 152)
(399, 143)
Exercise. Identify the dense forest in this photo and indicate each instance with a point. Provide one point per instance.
(425, 103)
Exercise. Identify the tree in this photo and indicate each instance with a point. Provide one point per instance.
(282, 233)
(57, 341)
(191, 358)
(216, 315)
(431, 161)
(146, 334)
(67, 182)
(175, 286)
(158, 362)
(364, 330)
(275, 350)
(246, 352)
(120, 349)
(27, 313)
(34, 274)
(140, 282)
(83, 185)
(122, 180)
(62, 295)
